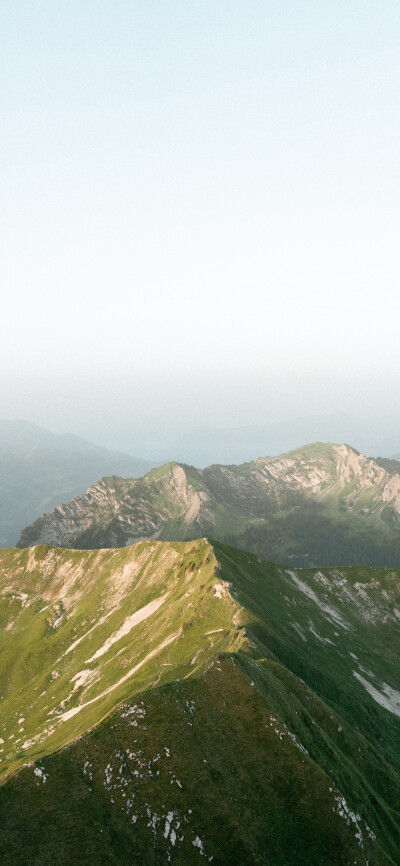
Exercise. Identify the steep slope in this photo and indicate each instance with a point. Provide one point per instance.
(39, 470)
(77, 626)
(189, 702)
(169, 502)
(321, 504)
(191, 773)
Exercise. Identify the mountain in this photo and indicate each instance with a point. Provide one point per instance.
(202, 445)
(38, 470)
(318, 505)
(189, 703)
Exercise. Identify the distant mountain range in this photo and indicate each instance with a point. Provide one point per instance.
(39, 470)
(189, 703)
(322, 504)
(202, 446)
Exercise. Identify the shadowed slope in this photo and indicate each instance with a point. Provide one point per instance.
(195, 772)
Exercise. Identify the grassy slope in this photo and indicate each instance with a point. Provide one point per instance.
(352, 628)
(198, 760)
(103, 588)
(358, 741)
(235, 732)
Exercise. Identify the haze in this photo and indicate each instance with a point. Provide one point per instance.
(200, 222)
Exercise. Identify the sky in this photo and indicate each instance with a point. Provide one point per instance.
(199, 214)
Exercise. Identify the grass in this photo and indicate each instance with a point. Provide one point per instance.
(201, 760)
(254, 699)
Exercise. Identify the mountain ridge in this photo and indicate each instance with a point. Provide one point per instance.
(168, 684)
(316, 502)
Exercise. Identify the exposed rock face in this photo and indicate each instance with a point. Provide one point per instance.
(332, 472)
(117, 511)
(277, 501)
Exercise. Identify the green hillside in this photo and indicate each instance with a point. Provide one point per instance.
(191, 703)
(322, 504)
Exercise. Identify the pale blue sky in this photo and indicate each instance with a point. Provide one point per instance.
(199, 189)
